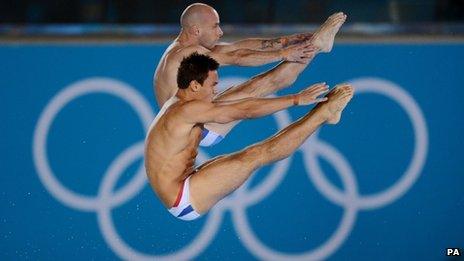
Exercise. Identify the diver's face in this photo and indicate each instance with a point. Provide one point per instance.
(210, 30)
(208, 88)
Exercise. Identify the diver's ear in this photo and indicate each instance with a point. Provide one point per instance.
(195, 86)
(195, 30)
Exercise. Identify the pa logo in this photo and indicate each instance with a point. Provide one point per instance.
(453, 252)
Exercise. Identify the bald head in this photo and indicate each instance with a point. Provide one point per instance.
(200, 24)
(197, 14)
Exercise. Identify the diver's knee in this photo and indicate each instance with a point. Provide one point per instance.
(251, 156)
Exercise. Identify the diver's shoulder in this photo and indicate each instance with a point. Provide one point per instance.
(187, 50)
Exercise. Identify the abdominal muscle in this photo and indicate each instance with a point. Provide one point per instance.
(168, 164)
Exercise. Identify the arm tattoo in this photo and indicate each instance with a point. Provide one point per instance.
(283, 42)
(271, 43)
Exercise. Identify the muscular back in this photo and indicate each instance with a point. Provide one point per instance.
(171, 149)
(165, 78)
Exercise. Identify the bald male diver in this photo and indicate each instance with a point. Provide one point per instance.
(172, 142)
(201, 32)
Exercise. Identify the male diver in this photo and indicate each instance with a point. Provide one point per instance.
(172, 141)
(200, 33)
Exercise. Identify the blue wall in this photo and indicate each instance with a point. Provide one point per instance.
(385, 183)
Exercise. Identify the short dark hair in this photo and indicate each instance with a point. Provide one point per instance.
(195, 67)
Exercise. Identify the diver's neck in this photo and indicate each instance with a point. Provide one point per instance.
(187, 95)
(186, 39)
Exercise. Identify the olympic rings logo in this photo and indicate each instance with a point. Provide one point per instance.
(349, 199)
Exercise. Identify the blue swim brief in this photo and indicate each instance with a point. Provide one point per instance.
(210, 138)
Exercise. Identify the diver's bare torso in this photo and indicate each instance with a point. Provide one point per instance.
(165, 78)
(171, 149)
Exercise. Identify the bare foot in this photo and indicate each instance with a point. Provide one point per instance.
(338, 99)
(325, 35)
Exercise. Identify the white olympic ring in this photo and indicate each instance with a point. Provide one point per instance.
(237, 202)
(351, 201)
